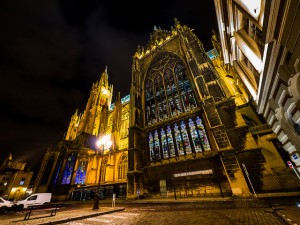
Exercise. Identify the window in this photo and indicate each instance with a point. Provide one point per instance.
(186, 137)
(122, 167)
(81, 172)
(68, 170)
(22, 182)
(47, 171)
(169, 94)
(168, 90)
(34, 197)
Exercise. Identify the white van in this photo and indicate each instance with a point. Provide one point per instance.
(34, 199)
(5, 205)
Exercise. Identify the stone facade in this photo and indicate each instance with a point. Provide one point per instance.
(72, 168)
(170, 153)
(15, 181)
(189, 128)
(261, 40)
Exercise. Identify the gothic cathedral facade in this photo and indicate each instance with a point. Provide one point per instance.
(76, 166)
(193, 128)
(187, 129)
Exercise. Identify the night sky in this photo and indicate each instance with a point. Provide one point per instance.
(51, 52)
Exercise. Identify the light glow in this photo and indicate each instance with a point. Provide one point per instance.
(105, 91)
(104, 141)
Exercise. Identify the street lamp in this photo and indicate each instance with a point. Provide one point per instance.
(103, 142)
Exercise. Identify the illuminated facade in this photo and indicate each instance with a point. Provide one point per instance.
(192, 130)
(261, 40)
(14, 180)
(187, 129)
(72, 168)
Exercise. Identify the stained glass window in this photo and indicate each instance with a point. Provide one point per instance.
(151, 144)
(178, 140)
(185, 138)
(156, 146)
(67, 175)
(169, 94)
(57, 172)
(164, 143)
(170, 142)
(202, 133)
(195, 136)
(189, 136)
(168, 90)
(81, 173)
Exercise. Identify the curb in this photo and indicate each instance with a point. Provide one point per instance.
(81, 217)
(284, 217)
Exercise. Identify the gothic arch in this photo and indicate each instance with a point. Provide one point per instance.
(122, 167)
(168, 89)
(69, 168)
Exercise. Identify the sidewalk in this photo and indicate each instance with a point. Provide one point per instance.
(60, 217)
(289, 212)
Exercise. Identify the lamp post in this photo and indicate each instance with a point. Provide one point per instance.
(102, 143)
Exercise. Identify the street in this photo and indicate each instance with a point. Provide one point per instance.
(191, 213)
(167, 212)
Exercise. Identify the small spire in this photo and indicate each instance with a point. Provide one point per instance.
(105, 69)
(176, 21)
(155, 28)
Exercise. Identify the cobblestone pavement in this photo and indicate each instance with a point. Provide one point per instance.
(42, 217)
(147, 212)
(162, 215)
(203, 217)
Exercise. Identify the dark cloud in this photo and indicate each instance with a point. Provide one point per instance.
(52, 51)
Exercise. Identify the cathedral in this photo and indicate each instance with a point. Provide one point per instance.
(76, 165)
(187, 129)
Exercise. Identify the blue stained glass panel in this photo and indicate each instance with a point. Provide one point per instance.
(81, 173)
(156, 146)
(152, 157)
(68, 170)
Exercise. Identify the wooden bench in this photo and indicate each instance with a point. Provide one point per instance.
(46, 207)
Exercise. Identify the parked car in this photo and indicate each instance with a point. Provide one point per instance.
(33, 199)
(5, 205)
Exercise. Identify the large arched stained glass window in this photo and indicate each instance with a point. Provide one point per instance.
(169, 94)
(81, 172)
(67, 175)
(168, 90)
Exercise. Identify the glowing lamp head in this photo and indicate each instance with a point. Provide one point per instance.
(104, 141)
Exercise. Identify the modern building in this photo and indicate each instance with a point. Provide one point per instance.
(260, 39)
(187, 129)
(14, 179)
